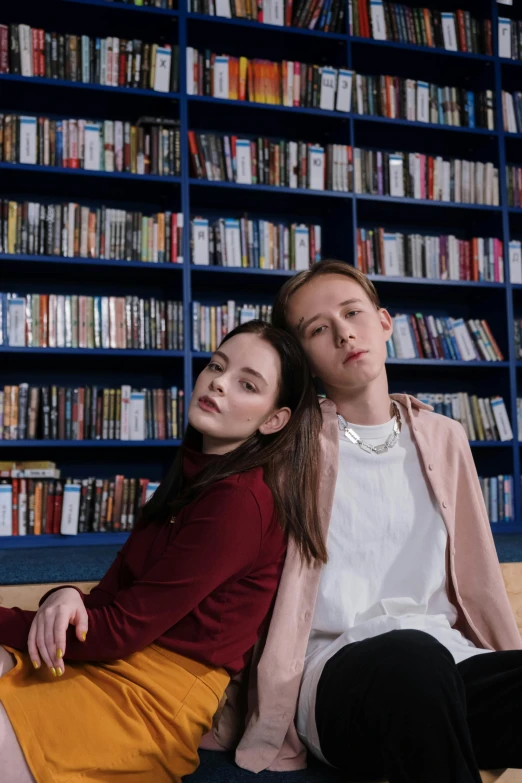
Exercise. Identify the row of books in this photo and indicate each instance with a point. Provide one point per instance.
(297, 84)
(446, 257)
(40, 506)
(483, 418)
(293, 164)
(514, 185)
(257, 244)
(211, 323)
(165, 4)
(498, 498)
(32, 506)
(325, 15)
(510, 38)
(418, 176)
(286, 83)
(151, 146)
(419, 336)
(519, 418)
(112, 61)
(512, 111)
(459, 31)
(396, 97)
(72, 230)
(338, 167)
(517, 325)
(90, 413)
(72, 321)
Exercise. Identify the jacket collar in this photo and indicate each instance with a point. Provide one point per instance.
(329, 410)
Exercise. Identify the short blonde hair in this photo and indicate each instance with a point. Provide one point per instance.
(325, 267)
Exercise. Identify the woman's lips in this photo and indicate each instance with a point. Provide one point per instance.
(208, 405)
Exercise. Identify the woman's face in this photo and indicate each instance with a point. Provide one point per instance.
(236, 394)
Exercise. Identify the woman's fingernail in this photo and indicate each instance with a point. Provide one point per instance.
(59, 653)
(84, 635)
(59, 672)
(36, 664)
(53, 671)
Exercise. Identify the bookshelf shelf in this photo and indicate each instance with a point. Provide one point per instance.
(430, 281)
(476, 444)
(445, 363)
(36, 169)
(89, 444)
(270, 189)
(261, 26)
(422, 202)
(49, 540)
(358, 118)
(195, 268)
(78, 261)
(126, 7)
(45, 82)
(128, 352)
(340, 214)
(407, 47)
(269, 106)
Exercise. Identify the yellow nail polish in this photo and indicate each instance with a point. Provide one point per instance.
(53, 671)
(59, 653)
(84, 635)
(59, 672)
(36, 664)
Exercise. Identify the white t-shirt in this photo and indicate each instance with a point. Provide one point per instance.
(387, 562)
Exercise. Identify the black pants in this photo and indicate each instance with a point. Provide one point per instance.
(398, 707)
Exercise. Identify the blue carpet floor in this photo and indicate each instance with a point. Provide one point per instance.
(220, 768)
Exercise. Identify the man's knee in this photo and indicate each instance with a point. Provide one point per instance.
(415, 663)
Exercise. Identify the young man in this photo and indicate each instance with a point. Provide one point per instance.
(388, 657)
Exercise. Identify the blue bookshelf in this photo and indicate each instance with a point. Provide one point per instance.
(340, 215)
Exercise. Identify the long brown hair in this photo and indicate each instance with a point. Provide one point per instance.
(289, 458)
(325, 267)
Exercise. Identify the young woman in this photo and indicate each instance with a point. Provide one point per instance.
(121, 684)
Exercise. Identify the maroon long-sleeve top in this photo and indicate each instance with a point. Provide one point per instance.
(201, 587)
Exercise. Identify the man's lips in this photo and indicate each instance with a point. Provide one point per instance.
(353, 356)
(208, 404)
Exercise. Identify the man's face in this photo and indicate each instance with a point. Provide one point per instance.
(343, 333)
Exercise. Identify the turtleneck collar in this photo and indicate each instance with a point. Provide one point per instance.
(194, 461)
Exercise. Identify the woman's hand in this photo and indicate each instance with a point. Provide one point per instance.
(47, 637)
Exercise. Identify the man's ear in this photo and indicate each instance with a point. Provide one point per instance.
(276, 422)
(386, 322)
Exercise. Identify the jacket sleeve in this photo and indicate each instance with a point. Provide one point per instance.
(480, 585)
(15, 623)
(220, 541)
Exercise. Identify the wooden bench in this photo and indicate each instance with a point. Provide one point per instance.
(212, 770)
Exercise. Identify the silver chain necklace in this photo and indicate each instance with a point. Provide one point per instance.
(382, 448)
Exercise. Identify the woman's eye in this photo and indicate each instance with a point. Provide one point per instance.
(248, 386)
(214, 366)
(318, 330)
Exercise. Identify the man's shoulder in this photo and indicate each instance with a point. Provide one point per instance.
(437, 424)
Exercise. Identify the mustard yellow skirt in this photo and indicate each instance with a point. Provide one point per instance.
(139, 719)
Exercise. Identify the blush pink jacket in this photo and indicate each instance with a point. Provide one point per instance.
(258, 718)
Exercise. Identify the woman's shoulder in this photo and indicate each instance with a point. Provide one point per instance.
(245, 492)
(250, 481)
